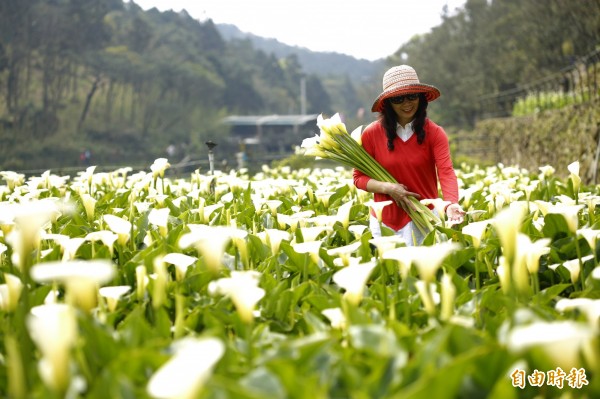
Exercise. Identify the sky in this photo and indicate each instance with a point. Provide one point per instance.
(363, 29)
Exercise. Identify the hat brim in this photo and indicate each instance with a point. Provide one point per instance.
(431, 93)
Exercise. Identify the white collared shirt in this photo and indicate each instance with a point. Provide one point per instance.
(404, 132)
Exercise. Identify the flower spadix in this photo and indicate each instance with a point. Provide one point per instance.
(353, 279)
(242, 287)
(183, 376)
(81, 278)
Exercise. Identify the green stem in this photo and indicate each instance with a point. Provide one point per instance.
(581, 275)
(477, 277)
(385, 276)
(536, 283)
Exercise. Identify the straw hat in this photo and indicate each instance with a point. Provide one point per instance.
(400, 80)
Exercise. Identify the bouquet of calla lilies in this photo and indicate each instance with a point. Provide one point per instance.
(337, 144)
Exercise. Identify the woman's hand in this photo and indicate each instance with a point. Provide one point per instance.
(401, 195)
(455, 213)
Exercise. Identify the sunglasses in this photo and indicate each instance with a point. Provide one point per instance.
(400, 99)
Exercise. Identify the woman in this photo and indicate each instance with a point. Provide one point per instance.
(412, 148)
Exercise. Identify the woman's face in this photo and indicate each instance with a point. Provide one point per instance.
(405, 107)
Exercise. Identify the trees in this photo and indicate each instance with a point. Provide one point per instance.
(492, 46)
(106, 74)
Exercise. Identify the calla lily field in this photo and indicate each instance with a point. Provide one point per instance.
(136, 284)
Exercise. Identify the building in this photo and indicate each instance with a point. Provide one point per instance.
(270, 135)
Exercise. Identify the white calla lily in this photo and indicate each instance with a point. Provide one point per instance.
(353, 279)
(184, 375)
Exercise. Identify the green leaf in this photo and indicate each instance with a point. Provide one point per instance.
(544, 297)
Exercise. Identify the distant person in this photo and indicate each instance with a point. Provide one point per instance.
(412, 148)
(171, 151)
(85, 157)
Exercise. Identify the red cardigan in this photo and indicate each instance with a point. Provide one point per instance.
(417, 166)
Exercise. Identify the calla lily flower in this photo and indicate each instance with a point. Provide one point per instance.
(81, 278)
(242, 287)
(273, 205)
(427, 259)
(184, 375)
(345, 252)
(209, 209)
(387, 243)
(29, 218)
(89, 204)
(309, 247)
(53, 328)
(357, 134)
(547, 170)
(353, 280)
(300, 192)
(476, 231)
(107, 237)
(160, 218)
(311, 233)
(343, 213)
(159, 167)
(113, 294)
(574, 176)
(377, 207)
(119, 226)
(590, 235)
(507, 223)
(10, 292)
(503, 272)
(562, 341)
(141, 281)
(572, 266)
(273, 238)
(569, 212)
(438, 204)
(590, 307)
(13, 179)
(532, 251)
(357, 229)
(448, 295)
(210, 242)
(181, 263)
(336, 318)
(424, 290)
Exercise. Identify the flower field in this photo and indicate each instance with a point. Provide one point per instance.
(132, 284)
